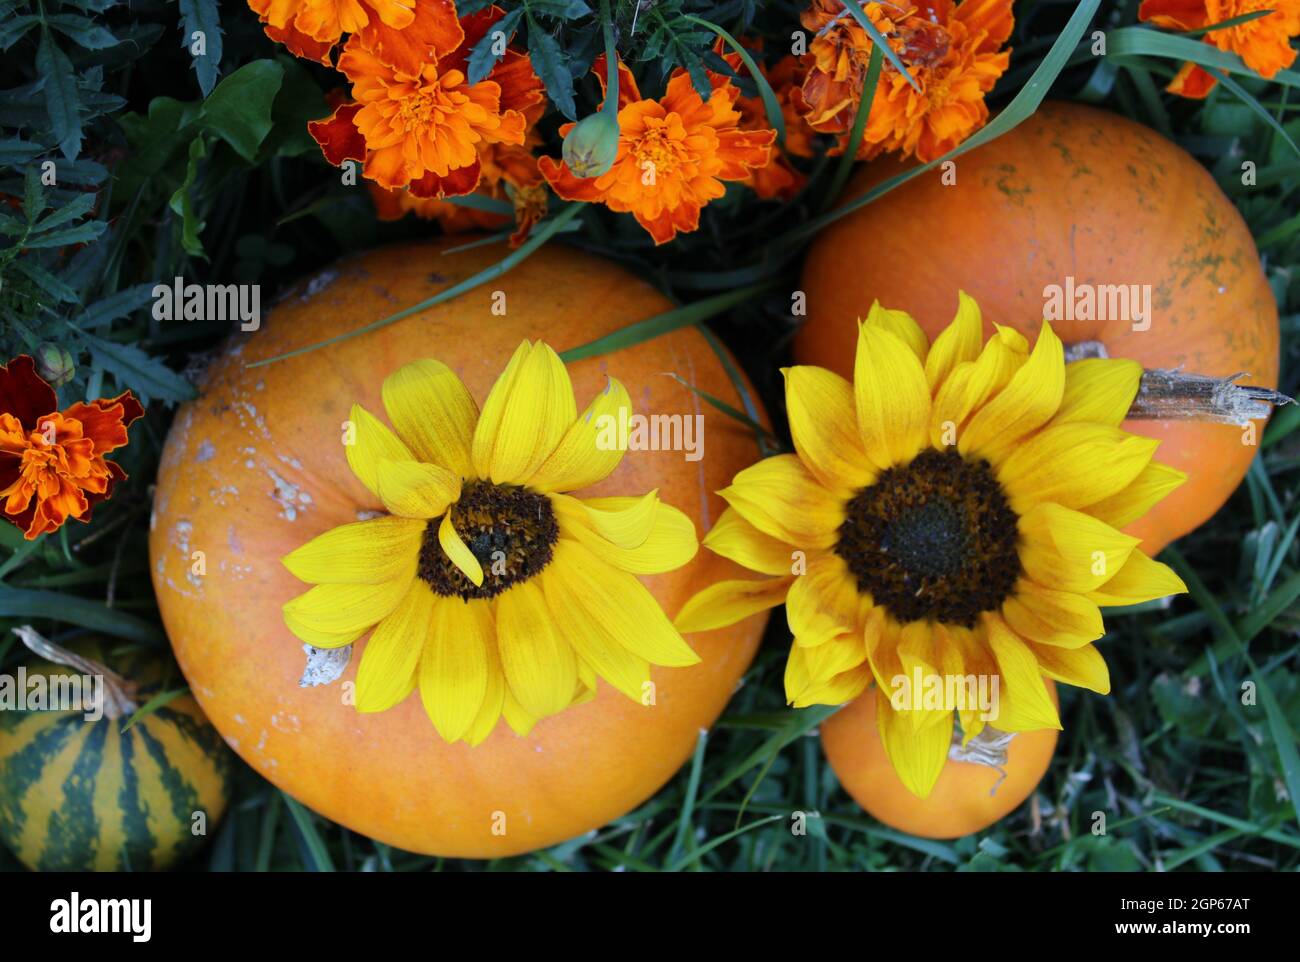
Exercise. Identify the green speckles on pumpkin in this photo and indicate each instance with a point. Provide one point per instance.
(1016, 190)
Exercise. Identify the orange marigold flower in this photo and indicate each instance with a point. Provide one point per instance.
(403, 33)
(427, 131)
(52, 464)
(952, 51)
(778, 178)
(1264, 43)
(673, 154)
(508, 173)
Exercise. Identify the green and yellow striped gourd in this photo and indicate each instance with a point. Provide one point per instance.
(79, 795)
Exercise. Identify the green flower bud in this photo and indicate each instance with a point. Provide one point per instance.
(592, 145)
(54, 364)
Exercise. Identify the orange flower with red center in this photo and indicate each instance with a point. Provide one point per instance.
(426, 131)
(52, 464)
(673, 154)
(403, 33)
(952, 51)
(1263, 43)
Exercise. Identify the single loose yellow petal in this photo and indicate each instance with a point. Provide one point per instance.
(433, 413)
(326, 615)
(366, 441)
(591, 447)
(735, 538)
(528, 411)
(892, 398)
(1028, 402)
(1074, 464)
(458, 551)
(1098, 390)
(414, 489)
(1146, 490)
(727, 602)
(389, 661)
(363, 552)
(823, 422)
(959, 342)
(917, 753)
(1140, 579)
(1070, 550)
(454, 664)
(539, 664)
(780, 497)
(1063, 619)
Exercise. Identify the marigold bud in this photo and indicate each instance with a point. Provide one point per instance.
(54, 364)
(592, 145)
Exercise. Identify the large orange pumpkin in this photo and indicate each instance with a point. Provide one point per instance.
(1071, 192)
(255, 467)
(968, 797)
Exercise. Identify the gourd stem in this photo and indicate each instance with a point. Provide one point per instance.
(1177, 395)
(119, 694)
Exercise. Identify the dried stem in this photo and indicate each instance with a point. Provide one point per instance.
(1177, 395)
(119, 693)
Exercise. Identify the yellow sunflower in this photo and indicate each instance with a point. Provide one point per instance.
(955, 511)
(486, 586)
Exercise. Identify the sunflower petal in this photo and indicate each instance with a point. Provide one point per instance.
(1028, 402)
(458, 552)
(902, 325)
(823, 603)
(733, 537)
(837, 690)
(414, 489)
(527, 413)
(1140, 579)
(326, 614)
(433, 413)
(1083, 667)
(1071, 550)
(970, 384)
(727, 602)
(917, 754)
(823, 423)
(781, 498)
(1098, 390)
(624, 522)
(892, 397)
(1074, 464)
(371, 441)
(539, 665)
(363, 552)
(489, 712)
(669, 544)
(590, 449)
(1061, 619)
(958, 343)
(454, 664)
(1024, 702)
(392, 654)
(1124, 507)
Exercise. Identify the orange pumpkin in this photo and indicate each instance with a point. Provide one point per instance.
(1071, 192)
(968, 796)
(255, 467)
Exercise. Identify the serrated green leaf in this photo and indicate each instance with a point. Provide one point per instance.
(80, 234)
(548, 61)
(202, 16)
(116, 305)
(83, 30)
(145, 375)
(482, 58)
(62, 103)
(51, 284)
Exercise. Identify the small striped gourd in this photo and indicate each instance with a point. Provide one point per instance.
(80, 795)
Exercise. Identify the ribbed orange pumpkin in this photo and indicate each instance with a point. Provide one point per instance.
(968, 797)
(255, 467)
(1072, 192)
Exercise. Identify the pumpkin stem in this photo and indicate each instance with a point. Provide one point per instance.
(988, 748)
(119, 693)
(1177, 395)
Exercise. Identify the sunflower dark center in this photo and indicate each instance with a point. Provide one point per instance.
(509, 529)
(933, 540)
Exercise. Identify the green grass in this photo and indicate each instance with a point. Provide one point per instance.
(1188, 776)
